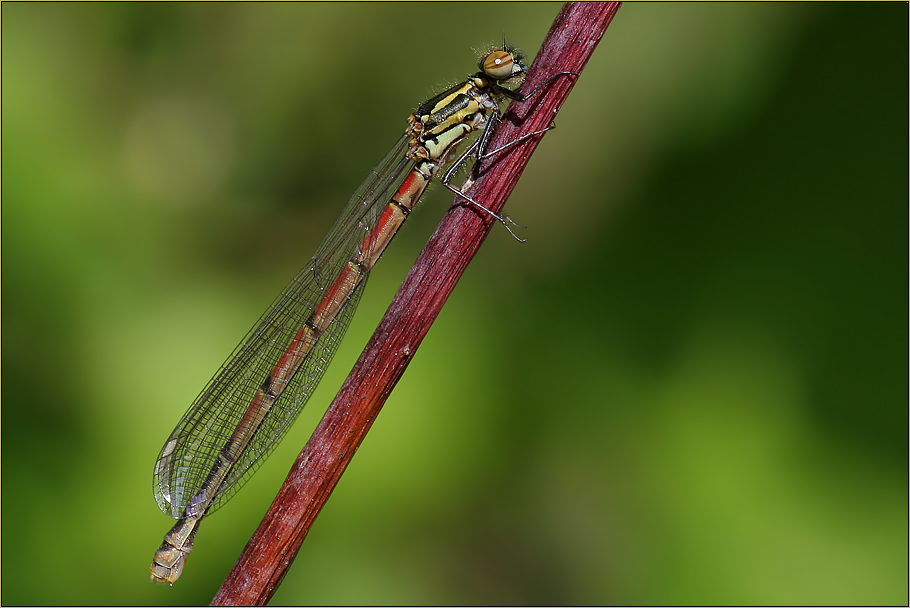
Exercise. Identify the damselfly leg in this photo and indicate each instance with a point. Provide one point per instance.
(478, 151)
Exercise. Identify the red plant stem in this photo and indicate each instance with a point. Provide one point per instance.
(270, 552)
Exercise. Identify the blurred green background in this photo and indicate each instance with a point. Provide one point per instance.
(688, 387)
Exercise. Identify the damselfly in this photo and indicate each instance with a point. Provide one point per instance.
(250, 404)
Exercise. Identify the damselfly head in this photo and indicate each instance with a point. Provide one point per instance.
(503, 64)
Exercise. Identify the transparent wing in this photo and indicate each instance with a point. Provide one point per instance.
(192, 450)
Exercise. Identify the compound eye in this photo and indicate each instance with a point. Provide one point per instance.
(498, 64)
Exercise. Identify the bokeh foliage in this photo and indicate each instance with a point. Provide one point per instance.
(687, 387)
